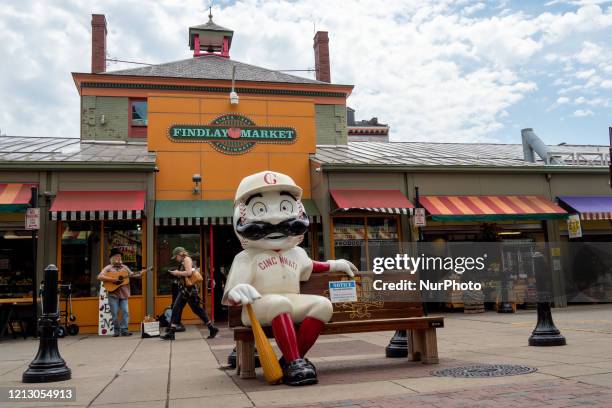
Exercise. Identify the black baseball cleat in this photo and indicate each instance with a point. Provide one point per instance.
(311, 365)
(299, 372)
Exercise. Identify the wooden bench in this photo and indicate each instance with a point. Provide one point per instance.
(369, 314)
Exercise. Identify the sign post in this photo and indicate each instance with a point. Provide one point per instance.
(33, 223)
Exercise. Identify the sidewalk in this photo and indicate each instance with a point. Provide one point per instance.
(353, 372)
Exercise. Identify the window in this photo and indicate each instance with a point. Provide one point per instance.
(349, 240)
(138, 118)
(126, 236)
(16, 269)
(313, 242)
(361, 239)
(86, 247)
(81, 257)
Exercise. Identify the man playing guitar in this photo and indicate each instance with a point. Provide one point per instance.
(116, 278)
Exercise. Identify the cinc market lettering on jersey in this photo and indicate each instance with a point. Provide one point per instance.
(232, 134)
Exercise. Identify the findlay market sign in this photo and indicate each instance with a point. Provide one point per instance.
(232, 134)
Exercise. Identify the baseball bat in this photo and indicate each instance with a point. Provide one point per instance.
(267, 357)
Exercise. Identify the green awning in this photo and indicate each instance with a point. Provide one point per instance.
(311, 210)
(194, 212)
(206, 212)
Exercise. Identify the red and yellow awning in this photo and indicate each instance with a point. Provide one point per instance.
(491, 208)
(15, 197)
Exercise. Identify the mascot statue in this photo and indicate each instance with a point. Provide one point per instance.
(270, 222)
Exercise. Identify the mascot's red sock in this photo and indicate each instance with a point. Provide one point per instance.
(284, 333)
(308, 334)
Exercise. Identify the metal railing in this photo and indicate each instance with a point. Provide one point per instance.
(581, 158)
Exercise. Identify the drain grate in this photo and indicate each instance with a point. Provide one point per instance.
(485, 370)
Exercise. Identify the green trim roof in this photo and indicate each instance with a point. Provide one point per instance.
(193, 208)
(209, 208)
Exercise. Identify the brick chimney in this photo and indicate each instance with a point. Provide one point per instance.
(98, 43)
(321, 51)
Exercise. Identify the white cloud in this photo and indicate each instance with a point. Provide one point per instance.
(562, 100)
(451, 72)
(580, 113)
(590, 53)
(585, 74)
(607, 84)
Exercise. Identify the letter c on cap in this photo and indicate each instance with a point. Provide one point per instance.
(270, 178)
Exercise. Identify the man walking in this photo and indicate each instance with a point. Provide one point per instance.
(117, 275)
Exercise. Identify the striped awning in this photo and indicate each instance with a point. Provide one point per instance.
(381, 201)
(15, 197)
(491, 208)
(98, 205)
(589, 207)
(207, 212)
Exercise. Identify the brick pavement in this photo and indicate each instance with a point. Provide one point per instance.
(541, 394)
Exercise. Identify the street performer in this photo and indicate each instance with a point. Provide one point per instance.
(270, 222)
(118, 274)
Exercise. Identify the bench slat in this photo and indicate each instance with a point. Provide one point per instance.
(410, 323)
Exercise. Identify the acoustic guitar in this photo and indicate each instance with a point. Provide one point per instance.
(121, 275)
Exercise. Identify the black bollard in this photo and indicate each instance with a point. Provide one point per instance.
(48, 365)
(504, 305)
(545, 333)
(398, 346)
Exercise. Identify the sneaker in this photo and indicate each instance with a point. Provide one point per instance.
(116, 334)
(213, 332)
(127, 333)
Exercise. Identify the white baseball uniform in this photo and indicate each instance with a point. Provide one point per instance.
(276, 275)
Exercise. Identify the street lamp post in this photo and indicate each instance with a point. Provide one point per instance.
(398, 345)
(545, 332)
(48, 365)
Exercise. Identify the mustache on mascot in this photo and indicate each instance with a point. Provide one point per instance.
(257, 230)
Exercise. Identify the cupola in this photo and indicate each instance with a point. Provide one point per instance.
(210, 39)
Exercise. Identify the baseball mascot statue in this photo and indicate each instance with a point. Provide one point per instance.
(270, 222)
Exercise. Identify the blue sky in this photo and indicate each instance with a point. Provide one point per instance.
(435, 70)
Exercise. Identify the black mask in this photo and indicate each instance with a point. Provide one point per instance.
(257, 230)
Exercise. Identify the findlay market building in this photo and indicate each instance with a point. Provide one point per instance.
(163, 147)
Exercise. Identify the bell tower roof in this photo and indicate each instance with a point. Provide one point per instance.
(210, 38)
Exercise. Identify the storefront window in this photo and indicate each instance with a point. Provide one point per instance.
(126, 236)
(313, 242)
(15, 264)
(349, 240)
(361, 239)
(383, 237)
(81, 257)
(166, 242)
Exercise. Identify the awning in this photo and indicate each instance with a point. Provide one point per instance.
(589, 207)
(491, 208)
(15, 197)
(98, 205)
(207, 212)
(384, 201)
